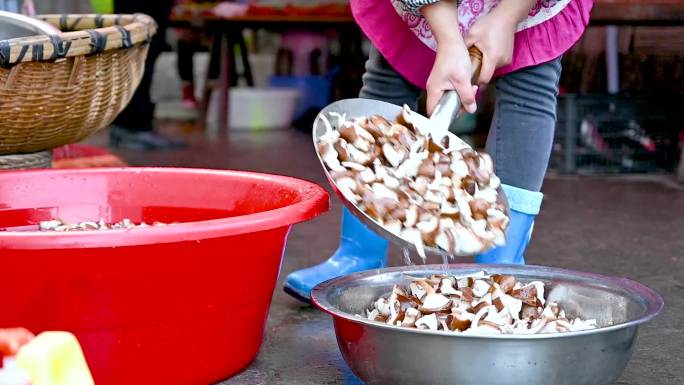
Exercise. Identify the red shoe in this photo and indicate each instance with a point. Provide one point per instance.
(189, 100)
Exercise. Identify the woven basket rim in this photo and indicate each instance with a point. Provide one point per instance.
(40, 159)
(83, 34)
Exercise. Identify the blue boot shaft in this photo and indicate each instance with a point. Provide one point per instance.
(360, 249)
(524, 207)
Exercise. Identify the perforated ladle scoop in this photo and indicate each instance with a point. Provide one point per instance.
(445, 113)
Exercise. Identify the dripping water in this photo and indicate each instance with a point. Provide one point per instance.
(445, 263)
(407, 256)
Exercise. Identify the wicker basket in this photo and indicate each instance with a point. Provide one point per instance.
(41, 159)
(59, 89)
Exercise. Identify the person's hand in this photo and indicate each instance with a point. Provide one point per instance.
(452, 70)
(493, 34)
(13, 339)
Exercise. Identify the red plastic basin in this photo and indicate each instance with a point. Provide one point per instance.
(181, 304)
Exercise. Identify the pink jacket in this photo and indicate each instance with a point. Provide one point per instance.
(405, 39)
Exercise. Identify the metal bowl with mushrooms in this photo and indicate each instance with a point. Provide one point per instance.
(582, 354)
(474, 304)
(427, 189)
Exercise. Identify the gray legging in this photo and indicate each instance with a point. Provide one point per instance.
(521, 135)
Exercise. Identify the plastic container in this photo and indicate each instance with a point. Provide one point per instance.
(179, 304)
(258, 108)
(315, 91)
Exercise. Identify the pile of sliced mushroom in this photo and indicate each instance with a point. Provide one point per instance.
(476, 304)
(61, 226)
(439, 193)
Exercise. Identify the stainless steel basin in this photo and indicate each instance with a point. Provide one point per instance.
(383, 354)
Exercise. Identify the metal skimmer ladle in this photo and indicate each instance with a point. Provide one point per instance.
(445, 113)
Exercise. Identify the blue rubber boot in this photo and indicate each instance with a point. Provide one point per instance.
(360, 249)
(524, 207)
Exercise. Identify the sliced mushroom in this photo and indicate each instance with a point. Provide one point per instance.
(530, 312)
(428, 229)
(394, 307)
(505, 282)
(330, 157)
(382, 192)
(486, 194)
(447, 288)
(372, 315)
(466, 241)
(391, 182)
(414, 236)
(417, 290)
(381, 123)
(427, 169)
(394, 156)
(411, 216)
(478, 208)
(481, 314)
(410, 317)
(359, 156)
(459, 320)
(420, 185)
(356, 135)
(434, 302)
(540, 290)
(348, 188)
(550, 312)
(469, 185)
(485, 328)
(393, 226)
(580, 325)
(367, 176)
(528, 295)
(428, 322)
(534, 328)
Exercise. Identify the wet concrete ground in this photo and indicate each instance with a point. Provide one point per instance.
(631, 227)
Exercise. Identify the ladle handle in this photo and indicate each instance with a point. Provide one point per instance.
(449, 105)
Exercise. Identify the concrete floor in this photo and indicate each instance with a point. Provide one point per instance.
(617, 226)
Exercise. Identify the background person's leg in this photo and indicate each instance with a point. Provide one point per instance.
(359, 249)
(133, 127)
(186, 70)
(520, 142)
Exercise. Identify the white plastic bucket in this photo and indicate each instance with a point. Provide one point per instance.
(258, 108)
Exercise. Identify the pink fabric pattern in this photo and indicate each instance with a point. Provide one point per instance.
(406, 41)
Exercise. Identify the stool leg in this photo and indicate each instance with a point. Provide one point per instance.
(227, 60)
(214, 62)
(231, 42)
(244, 53)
